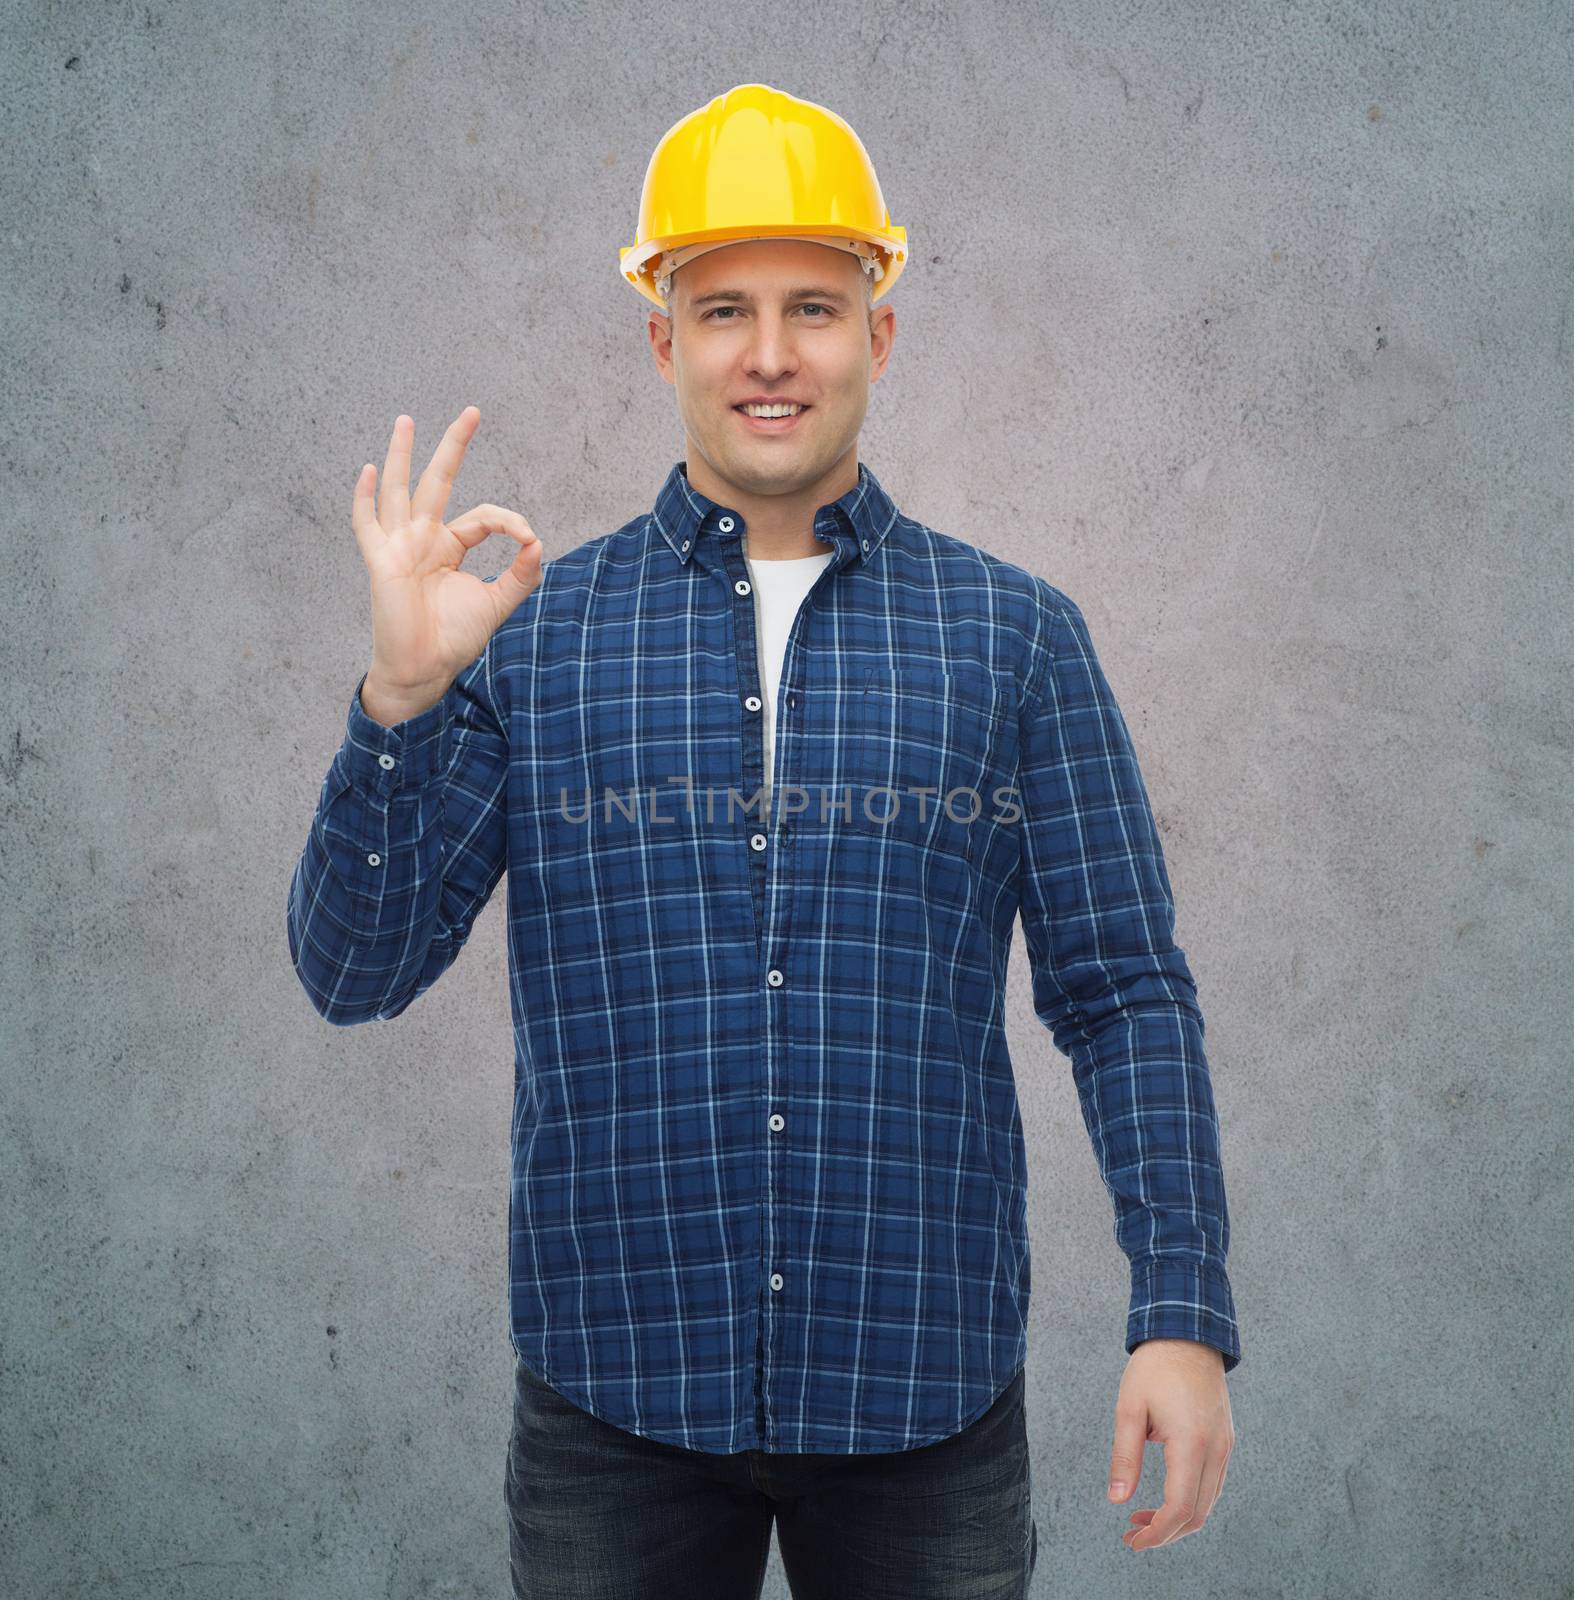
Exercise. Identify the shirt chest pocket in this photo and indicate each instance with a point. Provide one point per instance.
(929, 747)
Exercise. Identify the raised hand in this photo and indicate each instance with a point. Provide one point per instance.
(430, 620)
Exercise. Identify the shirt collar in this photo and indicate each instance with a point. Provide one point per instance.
(855, 525)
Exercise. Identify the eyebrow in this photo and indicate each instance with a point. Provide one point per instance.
(813, 293)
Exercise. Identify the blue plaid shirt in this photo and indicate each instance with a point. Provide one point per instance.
(768, 1181)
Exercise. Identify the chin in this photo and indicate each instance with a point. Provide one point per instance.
(777, 477)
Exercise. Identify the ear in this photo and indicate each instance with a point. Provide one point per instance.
(882, 331)
(658, 325)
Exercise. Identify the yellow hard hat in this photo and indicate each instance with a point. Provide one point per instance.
(757, 163)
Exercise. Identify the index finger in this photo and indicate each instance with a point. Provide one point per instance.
(1183, 1463)
(395, 509)
(431, 493)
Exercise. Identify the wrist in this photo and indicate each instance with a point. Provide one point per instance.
(392, 706)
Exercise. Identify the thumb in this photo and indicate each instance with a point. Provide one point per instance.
(520, 579)
(1125, 1462)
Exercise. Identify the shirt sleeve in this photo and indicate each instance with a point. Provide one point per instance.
(1116, 993)
(408, 841)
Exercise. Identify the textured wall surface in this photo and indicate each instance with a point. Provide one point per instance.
(1250, 327)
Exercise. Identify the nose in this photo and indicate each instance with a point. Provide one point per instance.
(771, 352)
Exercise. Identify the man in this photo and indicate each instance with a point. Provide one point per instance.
(772, 770)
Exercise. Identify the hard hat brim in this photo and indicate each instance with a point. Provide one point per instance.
(639, 262)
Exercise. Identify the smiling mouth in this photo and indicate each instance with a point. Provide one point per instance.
(772, 424)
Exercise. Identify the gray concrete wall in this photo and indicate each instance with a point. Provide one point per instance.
(1249, 327)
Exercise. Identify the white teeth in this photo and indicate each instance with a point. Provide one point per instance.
(773, 411)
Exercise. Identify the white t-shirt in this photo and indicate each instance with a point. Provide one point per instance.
(778, 588)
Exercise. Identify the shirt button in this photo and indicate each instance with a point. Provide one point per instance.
(752, 702)
(757, 840)
(866, 544)
(774, 978)
(778, 1122)
(685, 544)
(725, 524)
(776, 1280)
(374, 860)
(741, 586)
(385, 761)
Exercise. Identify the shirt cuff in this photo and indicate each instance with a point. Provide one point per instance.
(1181, 1300)
(411, 752)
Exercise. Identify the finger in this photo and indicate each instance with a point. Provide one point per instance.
(363, 515)
(394, 512)
(1208, 1486)
(478, 525)
(1139, 1521)
(1208, 1492)
(1182, 1478)
(1125, 1462)
(431, 493)
(519, 578)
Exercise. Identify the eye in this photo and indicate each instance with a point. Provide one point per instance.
(815, 305)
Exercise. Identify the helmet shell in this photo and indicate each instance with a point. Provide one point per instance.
(758, 163)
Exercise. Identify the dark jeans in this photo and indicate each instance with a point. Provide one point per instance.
(598, 1513)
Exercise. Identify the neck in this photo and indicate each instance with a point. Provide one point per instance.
(780, 527)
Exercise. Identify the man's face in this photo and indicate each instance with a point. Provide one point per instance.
(795, 325)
